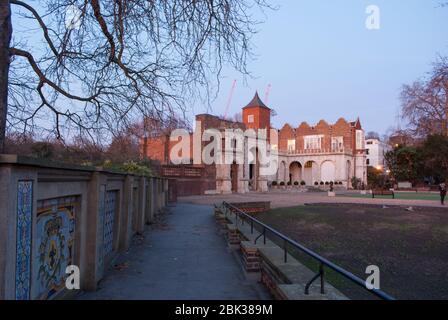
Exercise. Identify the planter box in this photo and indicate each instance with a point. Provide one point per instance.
(331, 194)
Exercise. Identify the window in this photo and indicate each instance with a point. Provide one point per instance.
(291, 145)
(250, 118)
(337, 143)
(359, 139)
(368, 161)
(367, 151)
(313, 142)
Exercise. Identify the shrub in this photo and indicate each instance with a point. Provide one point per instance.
(302, 183)
(296, 183)
(289, 183)
(316, 183)
(356, 183)
(282, 183)
(274, 183)
(321, 183)
(129, 167)
(327, 183)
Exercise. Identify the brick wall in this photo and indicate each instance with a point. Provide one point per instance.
(341, 128)
(262, 117)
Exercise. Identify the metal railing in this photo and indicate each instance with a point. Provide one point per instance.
(323, 262)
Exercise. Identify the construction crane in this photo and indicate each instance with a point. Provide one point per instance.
(266, 95)
(266, 99)
(229, 101)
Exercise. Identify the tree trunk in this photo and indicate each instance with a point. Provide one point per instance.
(5, 39)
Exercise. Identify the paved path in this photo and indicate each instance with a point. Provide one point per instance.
(180, 257)
(288, 198)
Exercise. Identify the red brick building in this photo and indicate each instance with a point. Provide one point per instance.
(304, 154)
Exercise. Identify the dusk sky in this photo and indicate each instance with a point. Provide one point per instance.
(322, 62)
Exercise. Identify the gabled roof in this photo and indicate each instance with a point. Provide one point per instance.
(256, 102)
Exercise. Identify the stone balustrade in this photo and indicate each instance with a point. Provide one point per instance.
(56, 215)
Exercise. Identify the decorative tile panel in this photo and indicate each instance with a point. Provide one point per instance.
(109, 218)
(100, 230)
(23, 242)
(54, 246)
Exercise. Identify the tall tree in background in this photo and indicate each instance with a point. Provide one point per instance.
(404, 163)
(373, 135)
(434, 151)
(100, 64)
(425, 102)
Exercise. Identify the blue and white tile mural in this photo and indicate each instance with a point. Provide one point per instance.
(109, 218)
(55, 244)
(23, 242)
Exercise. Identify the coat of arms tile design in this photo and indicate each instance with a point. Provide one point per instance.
(54, 248)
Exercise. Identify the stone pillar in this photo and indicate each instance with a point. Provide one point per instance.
(223, 179)
(149, 201)
(233, 236)
(251, 257)
(93, 255)
(139, 222)
(153, 198)
(10, 208)
(126, 214)
(6, 214)
(242, 183)
(157, 195)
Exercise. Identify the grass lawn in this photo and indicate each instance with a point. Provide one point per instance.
(400, 195)
(410, 248)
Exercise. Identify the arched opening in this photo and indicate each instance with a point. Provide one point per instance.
(310, 172)
(295, 172)
(254, 169)
(327, 171)
(281, 174)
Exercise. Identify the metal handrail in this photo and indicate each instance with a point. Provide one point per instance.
(323, 261)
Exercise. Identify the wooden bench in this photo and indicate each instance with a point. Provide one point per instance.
(383, 193)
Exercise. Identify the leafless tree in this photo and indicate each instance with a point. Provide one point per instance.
(101, 64)
(425, 102)
(373, 135)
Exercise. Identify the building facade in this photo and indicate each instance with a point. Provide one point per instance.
(305, 154)
(375, 151)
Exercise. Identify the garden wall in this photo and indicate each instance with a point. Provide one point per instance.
(55, 215)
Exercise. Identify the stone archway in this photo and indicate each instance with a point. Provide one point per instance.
(310, 172)
(295, 172)
(281, 174)
(328, 171)
(254, 170)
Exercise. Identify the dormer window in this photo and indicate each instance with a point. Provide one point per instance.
(291, 145)
(250, 118)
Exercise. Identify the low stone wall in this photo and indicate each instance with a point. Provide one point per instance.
(265, 262)
(253, 207)
(56, 215)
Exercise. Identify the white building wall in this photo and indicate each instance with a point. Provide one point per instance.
(376, 151)
(321, 171)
